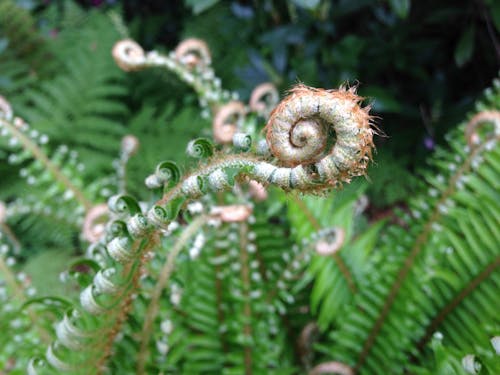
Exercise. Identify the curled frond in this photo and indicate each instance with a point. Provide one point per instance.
(130, 144)
(264, 98)
(94, 223)
(226, 121)
(193, 52)
(477, 122)
(331, 241)
(232, 214)
(332, 367)
(327, 128)
(128, 55)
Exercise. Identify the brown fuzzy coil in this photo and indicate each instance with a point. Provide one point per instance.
(482, 118)
(193, 52)
(225, 121)
(264, 98)
(329, 246)
(93, 224)
(327, 128)
(332, 367)
(128, 55)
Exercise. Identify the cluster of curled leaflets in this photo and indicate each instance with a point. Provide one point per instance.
(316, 139)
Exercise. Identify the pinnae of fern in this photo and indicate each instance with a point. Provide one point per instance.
(226, 121)
(193, 53)
(264, 98)
(481, 119)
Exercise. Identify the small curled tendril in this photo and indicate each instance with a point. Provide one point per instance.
(331, 241)
(325, 128)
(226, 121)
(471, 130)
(193, 52)
(264, 98)
(129, 55)
(332, 367)
(130, 144)
(94, 223)
(232, 214)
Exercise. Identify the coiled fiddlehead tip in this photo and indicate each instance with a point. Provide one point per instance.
(128, 55)
(94, 223)
(130, 144)
(471, 130)
(332, 367)
(226, 120)
(193, 52)
(264, 98)
(327, 128)
(331, 241)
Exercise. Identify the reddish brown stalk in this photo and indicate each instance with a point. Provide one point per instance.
(408, 263)
(446, 310)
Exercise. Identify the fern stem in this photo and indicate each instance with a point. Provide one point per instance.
(336, 257)
(163, 279)
(247, 309)
(125, 305)
(415, 251)
(450, 306)
(51, 167)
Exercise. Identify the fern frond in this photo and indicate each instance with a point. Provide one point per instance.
(453, 231)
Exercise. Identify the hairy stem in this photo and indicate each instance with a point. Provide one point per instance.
(161, 284)
(125, 305)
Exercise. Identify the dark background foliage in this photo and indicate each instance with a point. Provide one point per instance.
(421, 64)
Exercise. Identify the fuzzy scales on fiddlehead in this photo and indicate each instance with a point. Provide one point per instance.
(317, 139)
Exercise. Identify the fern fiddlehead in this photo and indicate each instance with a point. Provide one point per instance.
(335, 116)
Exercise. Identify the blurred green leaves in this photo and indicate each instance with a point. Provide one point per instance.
(465, 47)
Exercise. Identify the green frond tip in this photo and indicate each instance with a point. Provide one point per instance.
(200, 148)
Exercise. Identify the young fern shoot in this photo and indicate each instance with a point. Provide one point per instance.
(316, 140)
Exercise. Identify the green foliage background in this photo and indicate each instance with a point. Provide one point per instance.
(423, 66)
